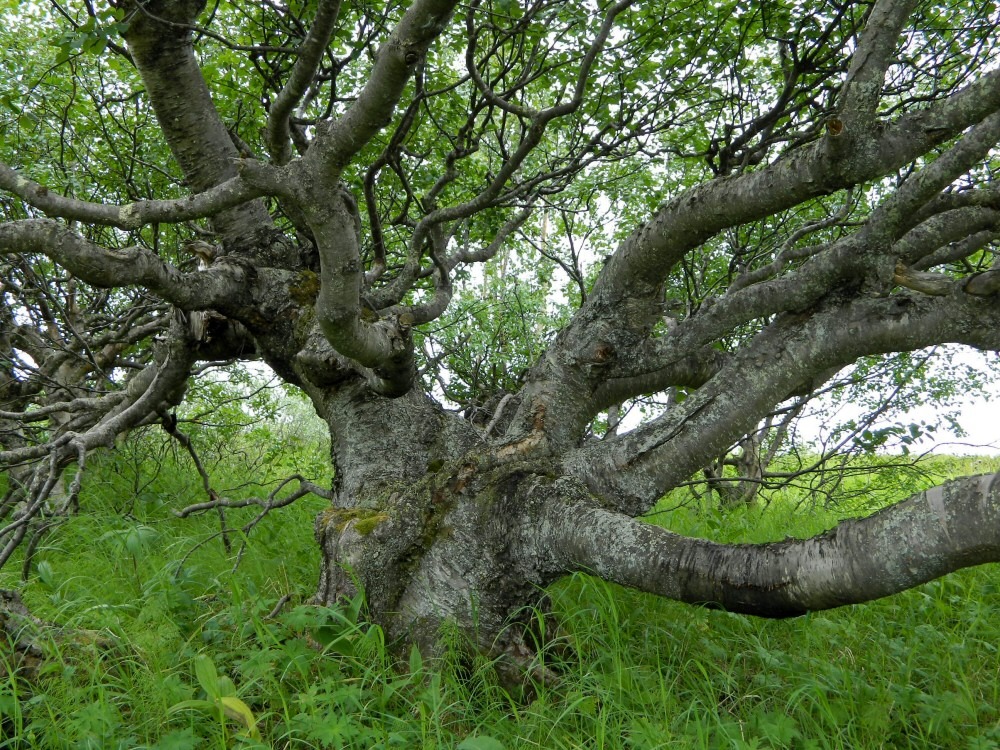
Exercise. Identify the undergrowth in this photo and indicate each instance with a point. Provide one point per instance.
(202, 656)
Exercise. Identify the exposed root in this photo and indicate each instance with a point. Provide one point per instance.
(20, 638)
(26, 641)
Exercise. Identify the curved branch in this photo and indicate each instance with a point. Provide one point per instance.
(652, 369)
(338, 141)
(974, 145)
(159, 39)
(919, 246)
(160, 385)
(203, 31)
(789, 252)
(627, 296)
(385, 346)
(310, 53)
(229, 194)
(856, 255)
(958, 250)
(268, 503)
(946, 528)
(223, 286)
(837, 162)
(532, 137)
(635, 469)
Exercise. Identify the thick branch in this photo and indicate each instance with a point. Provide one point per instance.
(628, 294)
(310, 54)
(649, 369)
(865, 78)
(338, 141)
(635, 469)
(160, 40)
(385, 346)
(932, 533)
(969, 151)
(222, 286)
(229, 194)
(835, 163)
(920, 246)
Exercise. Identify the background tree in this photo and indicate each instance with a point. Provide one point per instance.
(721, 208)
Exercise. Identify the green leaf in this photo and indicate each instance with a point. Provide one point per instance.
(8, 705)
(239, 711)
(353, 612)
(481, 742)
(226, 686)
(208, 678)
(334, 639)
(197, 704)
(416, 660)
(46, 574)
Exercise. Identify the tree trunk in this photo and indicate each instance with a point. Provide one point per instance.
(430, 524)
(26, 641)
(438, 528)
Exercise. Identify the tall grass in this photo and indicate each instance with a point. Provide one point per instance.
(200, 660)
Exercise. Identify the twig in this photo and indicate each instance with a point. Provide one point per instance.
(169, 424)
(278, 607)
(266, 504)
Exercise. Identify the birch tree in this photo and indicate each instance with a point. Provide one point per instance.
(721, 206)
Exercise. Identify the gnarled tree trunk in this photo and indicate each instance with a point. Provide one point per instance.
(472, 538)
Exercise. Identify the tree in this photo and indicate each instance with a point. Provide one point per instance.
(348, 191)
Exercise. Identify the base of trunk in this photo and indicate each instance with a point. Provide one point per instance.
(457, 552)
(21, 638)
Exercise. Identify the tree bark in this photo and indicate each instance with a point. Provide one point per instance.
(26, 641)
(20, 638)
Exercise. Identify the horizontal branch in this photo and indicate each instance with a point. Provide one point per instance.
(231, 193)
(652, 369)
(40, 414)
(635, 469)
(271, 502)
(920, 245)
(222, 286)
(946, 528)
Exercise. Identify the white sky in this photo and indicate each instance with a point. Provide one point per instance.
(979, 418)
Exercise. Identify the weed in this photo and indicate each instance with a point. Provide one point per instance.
(201, 659)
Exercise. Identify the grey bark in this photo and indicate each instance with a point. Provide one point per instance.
(917, 540)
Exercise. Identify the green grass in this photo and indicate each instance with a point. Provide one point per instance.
(918, 670)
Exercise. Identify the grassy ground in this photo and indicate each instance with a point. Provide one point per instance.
(200, 661)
